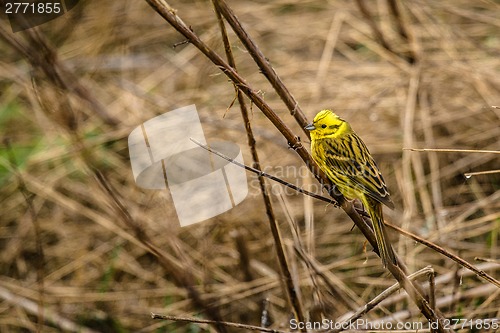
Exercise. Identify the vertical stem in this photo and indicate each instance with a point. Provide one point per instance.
(291, 290)
(263, 64)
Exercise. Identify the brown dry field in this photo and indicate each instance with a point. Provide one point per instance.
(74, 260)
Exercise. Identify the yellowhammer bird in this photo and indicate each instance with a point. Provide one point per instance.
(344, 158)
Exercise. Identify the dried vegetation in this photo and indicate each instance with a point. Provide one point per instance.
(80, 240)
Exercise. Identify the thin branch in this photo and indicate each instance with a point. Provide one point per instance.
(482, 291)
(453, 257)
(487, 260)
(266, 175)
(432, 287)
(291, 289)
(477, 173)
(378, 299)
(445, 150)
(224, 323)
(264, 65)
(170, 15)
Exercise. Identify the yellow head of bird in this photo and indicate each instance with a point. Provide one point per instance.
(327, 124)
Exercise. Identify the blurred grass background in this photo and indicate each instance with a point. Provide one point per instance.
(64, 248)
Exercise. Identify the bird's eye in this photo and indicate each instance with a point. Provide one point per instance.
(323, 126)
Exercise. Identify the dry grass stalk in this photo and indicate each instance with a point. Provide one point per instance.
(114, 253)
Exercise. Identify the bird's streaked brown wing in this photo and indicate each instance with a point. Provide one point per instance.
(349, 160)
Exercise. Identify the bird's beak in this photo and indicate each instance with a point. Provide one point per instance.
(310, 127)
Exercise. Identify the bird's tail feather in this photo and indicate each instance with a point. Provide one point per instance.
(374, 209)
